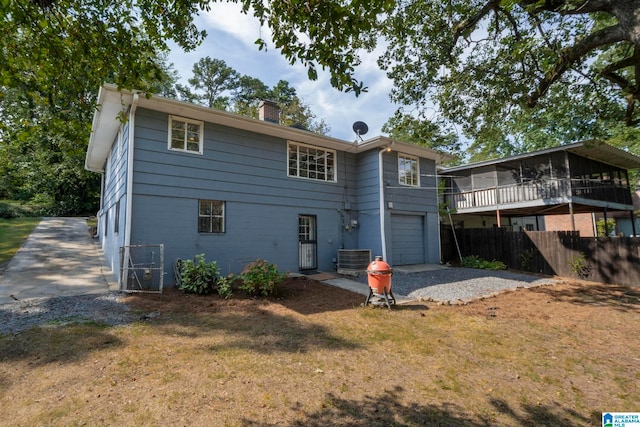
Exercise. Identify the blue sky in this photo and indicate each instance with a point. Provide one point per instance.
(231, 37)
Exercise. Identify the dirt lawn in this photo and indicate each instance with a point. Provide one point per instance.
(551, 355)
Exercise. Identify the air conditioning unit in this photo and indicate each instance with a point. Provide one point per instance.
(353, 262)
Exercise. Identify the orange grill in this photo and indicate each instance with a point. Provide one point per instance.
(379, 278)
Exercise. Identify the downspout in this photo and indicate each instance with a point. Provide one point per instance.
(99, 213)
(132, 122)
(383, 239)
(129, 195)
(102, 178)
(438, 211)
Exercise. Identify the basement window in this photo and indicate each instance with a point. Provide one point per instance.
(211, 216)
(185, 135)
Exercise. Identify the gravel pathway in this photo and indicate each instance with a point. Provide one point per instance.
(102, 308)
(446, 284)
(459, 284)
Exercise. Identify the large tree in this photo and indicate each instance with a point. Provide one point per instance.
(214, 84)
(488, 65)
(425, 131)
(293, 111)
(246, 96)
(54, 55)
(518, 75)
(213, 81)
(514, 74)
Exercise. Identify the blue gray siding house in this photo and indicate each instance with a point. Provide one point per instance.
(236, 189)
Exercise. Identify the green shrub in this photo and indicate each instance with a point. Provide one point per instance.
(471, 261)
(199, 276)
(580, 266)
(474, 261)
(19, 208)
(7, 211)
(261, 277)
(526, 258)
(225, 286)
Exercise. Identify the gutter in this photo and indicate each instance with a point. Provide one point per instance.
(129, 195)
(132, 123)
(383, 239)
(112, 100)
(438, 214)
(99, 213)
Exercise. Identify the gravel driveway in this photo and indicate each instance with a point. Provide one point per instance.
(457, 283)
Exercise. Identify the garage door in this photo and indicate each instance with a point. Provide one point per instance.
(407, 239)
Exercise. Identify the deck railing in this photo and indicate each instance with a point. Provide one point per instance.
(538, 190)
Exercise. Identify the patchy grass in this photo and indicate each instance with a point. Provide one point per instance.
(552, 355)
(13, 232)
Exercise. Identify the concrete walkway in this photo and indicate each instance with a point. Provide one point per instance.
(58, 259)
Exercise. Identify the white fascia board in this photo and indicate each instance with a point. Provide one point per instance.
(236, 121)
(105, 126)
(404, 147)
(113, 102)
(591, 149)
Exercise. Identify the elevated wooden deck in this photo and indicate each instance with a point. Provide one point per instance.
(542, 197)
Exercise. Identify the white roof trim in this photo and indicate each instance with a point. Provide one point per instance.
(105, 126)
(404, 147)
(592, 149)
(113, 102)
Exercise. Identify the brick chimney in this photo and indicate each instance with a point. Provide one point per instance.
(269, 111)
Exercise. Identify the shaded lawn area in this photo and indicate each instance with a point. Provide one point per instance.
(551, 355)
(13, 232)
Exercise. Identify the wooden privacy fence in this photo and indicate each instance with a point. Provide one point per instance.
(563, 253)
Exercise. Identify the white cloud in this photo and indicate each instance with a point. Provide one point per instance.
(228, 18)
(232, 36)
(340, 110)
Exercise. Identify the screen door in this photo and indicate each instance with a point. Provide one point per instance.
(307, 242)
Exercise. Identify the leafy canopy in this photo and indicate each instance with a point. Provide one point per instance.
(514, 75)
(54, 54)
(568, 68)
(216, 85)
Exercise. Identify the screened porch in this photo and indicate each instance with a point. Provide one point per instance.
(552, 181)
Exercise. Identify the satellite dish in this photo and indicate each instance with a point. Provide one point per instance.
(360, 128)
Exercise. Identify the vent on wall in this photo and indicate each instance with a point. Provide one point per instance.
(353, 261)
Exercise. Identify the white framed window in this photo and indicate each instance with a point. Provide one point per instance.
(185, 135)
(408, 170)
(211, 216)
(306, 161)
